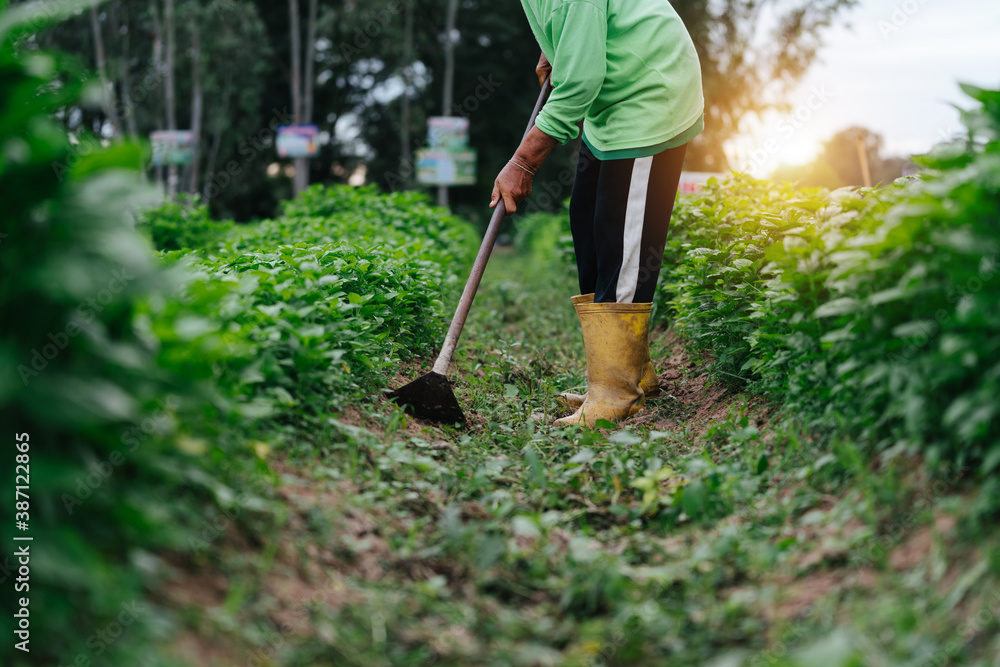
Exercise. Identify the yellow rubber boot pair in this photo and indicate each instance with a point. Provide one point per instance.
(616, 338)
(650, 383)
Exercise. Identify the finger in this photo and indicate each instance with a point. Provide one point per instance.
(495, 197)
(510, 204)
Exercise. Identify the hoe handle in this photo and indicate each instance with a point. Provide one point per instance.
(472, 285)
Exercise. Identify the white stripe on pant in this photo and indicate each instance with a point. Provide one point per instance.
(635, 217)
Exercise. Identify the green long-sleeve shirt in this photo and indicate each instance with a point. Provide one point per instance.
(628, 68)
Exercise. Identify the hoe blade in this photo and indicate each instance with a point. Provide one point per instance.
(430, 397)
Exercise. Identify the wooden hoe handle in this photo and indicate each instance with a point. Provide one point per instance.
(485, 250)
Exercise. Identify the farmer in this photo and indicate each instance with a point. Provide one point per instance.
(629, 70)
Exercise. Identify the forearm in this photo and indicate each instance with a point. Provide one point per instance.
(534, 148)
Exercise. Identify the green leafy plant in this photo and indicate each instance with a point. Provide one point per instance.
(885, 309)
(184, 223)
(108, 378)
(331, 297)
(342, 213)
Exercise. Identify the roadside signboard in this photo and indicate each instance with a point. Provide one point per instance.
(172, 147)
(443, 167)
(296, 141)
(450, 133)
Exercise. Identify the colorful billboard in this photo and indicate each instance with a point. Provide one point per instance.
(172, 147)
(450, 133)
(442, 167)
(297, 141)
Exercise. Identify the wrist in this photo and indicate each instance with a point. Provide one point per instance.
(531, 162)
(523, 166)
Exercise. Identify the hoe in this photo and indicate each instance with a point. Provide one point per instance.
(431, 396)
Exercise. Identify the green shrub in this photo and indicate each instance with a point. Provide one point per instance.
(360, 216)
(330, 298)
(714, 258)
(889, 309)
(328, 323)
(103, 372)
(181, 224)
(878, 307)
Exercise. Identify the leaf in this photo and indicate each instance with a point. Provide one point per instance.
(525, 526)
(992, 460)
(191, 446)
(624, 438)
(271, 311)
(887, 296)
(843, 306)
(261, 449)
(189, 328)
(919, 329)
(33, 17)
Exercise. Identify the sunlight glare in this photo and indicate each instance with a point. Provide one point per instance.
(778, 138)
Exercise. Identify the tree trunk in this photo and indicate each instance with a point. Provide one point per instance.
(296, 48)
(159, 65)
(296, 77)
(124, 65)
(448, 87)
(213, 152)
(302, 164)
(866, 174)
(406, 154)
(197, 104)
(107, 90)
(308, 83)
(169, 25)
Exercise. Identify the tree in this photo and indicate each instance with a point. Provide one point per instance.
(839, 164)
(405, 122)
(747, 67)
(816, 174)
(448, 84)
(494, 86)
(841, 153)
(107, 96)
(197, 96)
(220, 90)
(170, 89)
(119, 19)
(302, 82)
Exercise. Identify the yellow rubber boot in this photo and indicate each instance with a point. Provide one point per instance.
(615, 336)
(650, 383)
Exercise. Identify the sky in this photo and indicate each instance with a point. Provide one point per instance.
(890, 66)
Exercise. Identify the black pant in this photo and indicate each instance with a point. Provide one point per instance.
(619, 214)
